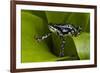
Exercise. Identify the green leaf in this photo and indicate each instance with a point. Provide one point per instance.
(82, 43)
(57, 17)
(80, 19)
(69, 49)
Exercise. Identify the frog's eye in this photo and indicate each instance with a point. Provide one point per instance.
(51, 28)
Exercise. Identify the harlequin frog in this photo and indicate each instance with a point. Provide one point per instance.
(62, 31)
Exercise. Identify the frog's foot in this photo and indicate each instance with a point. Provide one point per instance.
(38, 38)
(61, 54)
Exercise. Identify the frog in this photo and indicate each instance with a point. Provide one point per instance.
(62, 31)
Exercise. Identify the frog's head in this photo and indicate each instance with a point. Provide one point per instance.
(52, 28)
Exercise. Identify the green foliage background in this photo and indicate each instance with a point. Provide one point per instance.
(36, 23)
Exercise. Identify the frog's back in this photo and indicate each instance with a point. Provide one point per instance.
(65, 29)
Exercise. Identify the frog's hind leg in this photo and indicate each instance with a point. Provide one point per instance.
(61, 54)
(40, 38)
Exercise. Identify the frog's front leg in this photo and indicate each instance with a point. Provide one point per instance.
(61, 54)
(40, 38)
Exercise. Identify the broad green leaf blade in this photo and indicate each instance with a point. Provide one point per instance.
(40, 14)
(32, 50)
(80, 19)
(69, 49)
(57, 17)
(82, 43)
